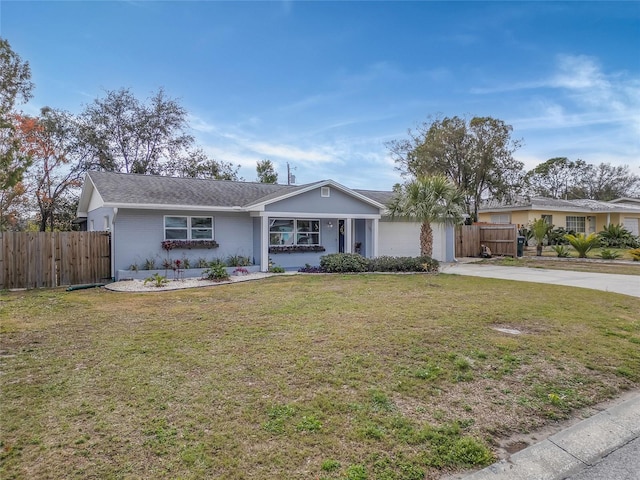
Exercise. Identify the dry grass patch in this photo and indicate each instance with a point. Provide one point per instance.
(392, 376)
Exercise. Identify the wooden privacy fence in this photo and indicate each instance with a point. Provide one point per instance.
(501, 239)
(52, 259)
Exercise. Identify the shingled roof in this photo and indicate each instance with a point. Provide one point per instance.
(124, 188)
(120, 189)
(543, 203)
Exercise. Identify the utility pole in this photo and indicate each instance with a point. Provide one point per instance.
(290, 178)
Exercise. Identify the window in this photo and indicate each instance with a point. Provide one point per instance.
(188, 228)
(325, 191)
(106, 222)
(289, 231)
(500, 218)
(548, 219)
(576, 224)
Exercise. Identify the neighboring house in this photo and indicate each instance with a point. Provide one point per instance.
(581, 216)
(289, 225)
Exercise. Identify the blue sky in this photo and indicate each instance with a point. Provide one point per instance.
(323, 85)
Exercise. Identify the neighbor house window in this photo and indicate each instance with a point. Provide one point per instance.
(291, 231)
(548, 219)
(188, 228)
(576, 224)
(500, 218)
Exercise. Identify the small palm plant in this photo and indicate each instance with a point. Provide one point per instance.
(583, 243)
(156, 280)
(539, 229)
(561, 250)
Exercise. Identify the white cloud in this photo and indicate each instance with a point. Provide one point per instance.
(577, 72)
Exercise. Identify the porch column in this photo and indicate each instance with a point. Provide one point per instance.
(348, 235)
(374, 237)
(264, 243)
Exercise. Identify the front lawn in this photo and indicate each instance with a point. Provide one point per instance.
(300, 377)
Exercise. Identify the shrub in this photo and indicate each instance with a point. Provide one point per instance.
(582, 243)
(217, 261)
(635, 254)
(561, 250)
(556, 236)
(309, 269)
(616, 236)
(202, 263)
(276, 269)
(356, 263)
(216, 272)
(344, 262)
(238, 261)
(149, 264)
(403, 264)
(167, 264)
(241, 271)
(607, 254)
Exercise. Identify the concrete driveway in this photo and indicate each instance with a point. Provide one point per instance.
(607, 282)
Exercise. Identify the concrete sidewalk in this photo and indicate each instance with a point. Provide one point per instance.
(625, 284)
(574, 451)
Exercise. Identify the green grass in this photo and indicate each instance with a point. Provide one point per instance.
(345, 376)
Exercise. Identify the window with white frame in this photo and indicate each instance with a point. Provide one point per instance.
(500, 218)
(188, 228)
(576, 224)
(548, 219)
(292, 231)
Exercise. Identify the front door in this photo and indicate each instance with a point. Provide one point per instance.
(341, 236)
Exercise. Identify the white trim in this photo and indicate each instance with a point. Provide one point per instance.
(188, 228)
(295, 230)
(264, 244)
(170, 206)
(374, 237)
(313, 186)
(368, 216)
(348, 235)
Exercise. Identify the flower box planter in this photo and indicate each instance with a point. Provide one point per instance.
(296, 248)
(188, 273)
(169, 245)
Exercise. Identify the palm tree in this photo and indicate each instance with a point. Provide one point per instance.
(428, 200)
(582, 243)
(539, 228)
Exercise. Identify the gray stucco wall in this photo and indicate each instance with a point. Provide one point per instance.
(312, 202)
(97, 218)
(137, 236)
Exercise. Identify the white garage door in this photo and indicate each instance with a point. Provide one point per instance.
(402, 239)
(631, 224)
(399, 239)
